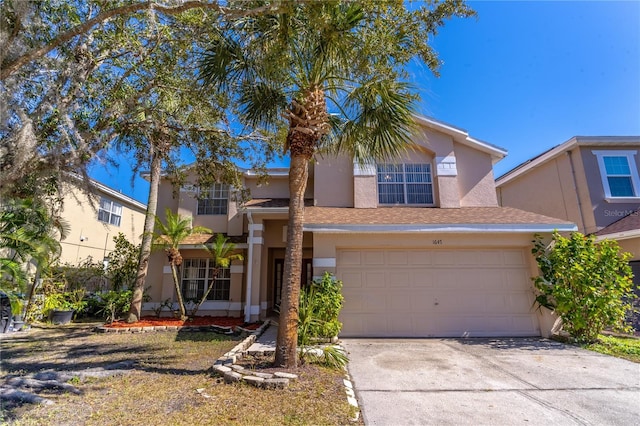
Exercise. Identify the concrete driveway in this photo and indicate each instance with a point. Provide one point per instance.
(499, 381)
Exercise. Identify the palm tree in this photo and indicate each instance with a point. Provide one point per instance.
(169, 236)
(28, 233)
(221, 252)
(329, 76)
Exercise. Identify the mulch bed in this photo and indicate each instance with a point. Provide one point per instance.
(192, 321)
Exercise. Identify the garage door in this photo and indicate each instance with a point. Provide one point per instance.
(436, 293)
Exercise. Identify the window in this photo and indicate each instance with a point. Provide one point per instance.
(109, 212)
(619, 173)
(214, 200)
(197, 275)
(405, 184)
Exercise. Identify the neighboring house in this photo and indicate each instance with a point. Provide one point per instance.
(94, 226)
(420, 243)
(592, 181)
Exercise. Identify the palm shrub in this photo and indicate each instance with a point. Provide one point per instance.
(587, 283)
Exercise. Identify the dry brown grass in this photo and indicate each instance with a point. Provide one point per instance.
(162, 388)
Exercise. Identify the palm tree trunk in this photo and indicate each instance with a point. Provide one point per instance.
(216, 271)
(287, 342)
(176, 282)
(145, 248)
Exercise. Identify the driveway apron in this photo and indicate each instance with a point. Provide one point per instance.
(498, 381)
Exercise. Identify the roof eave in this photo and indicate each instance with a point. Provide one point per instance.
(622, 235)
(442, 228)
(462, 136)
(556, 151)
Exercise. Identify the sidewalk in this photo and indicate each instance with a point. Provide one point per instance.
(265, 343)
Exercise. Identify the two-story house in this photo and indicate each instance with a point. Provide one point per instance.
(94, 222)
(592, 181)
(420, 243)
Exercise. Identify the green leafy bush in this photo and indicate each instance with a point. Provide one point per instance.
(587, 284)
(318, 310)
(325, 299)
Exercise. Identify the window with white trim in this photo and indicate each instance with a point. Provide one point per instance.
(405, 184)
(197, 276)
(214, 200)
(109, 212)
(619, 173)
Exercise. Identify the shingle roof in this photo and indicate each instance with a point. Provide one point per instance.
(273, 202)
(421, 215)
(197, 239)
(631, 222)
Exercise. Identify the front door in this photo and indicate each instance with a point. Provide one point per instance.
(278, 274)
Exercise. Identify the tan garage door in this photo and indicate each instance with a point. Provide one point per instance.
(436, 293)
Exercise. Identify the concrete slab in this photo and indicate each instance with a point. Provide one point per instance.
(266, 342)
(490, 381)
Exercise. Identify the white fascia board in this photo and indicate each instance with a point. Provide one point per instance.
(266, 210)
(446, 228)
(625, 235)
(280, 171)
(462, 136)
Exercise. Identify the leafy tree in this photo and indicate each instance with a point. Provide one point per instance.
(80, 78)
(324, 76)
(64, 76)
(221, 252)
(123, 263)
(168, 237)
(587, 284)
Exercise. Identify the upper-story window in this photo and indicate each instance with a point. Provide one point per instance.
(197, 276)
(405, 184)
(619, 173)
(109, 212)
(214, 200)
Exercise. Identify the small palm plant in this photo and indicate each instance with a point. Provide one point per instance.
(222, 254)
(168, 237)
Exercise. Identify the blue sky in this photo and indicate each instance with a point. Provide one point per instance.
(525, 76)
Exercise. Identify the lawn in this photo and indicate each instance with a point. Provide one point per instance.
(169, 381)
(621, 347)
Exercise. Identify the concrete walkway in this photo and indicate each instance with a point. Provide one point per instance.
(265, 343)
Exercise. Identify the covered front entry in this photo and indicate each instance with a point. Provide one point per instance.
(436, 292)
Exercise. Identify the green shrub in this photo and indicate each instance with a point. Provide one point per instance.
(318, 310)
(112, 304)
(587, 284)
(326, 300)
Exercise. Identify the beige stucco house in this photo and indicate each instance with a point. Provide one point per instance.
(591, 181)
(94, 223)
(420, 243)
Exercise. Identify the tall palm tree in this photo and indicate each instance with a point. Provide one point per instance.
(169, 236)
(221, 252)
(329, 76)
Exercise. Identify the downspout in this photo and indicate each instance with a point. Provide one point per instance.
(575, 187)
(247, 305)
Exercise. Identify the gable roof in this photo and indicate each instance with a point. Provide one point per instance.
(421, 219)
(627, 227)
(462, 136)
(599, 141)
